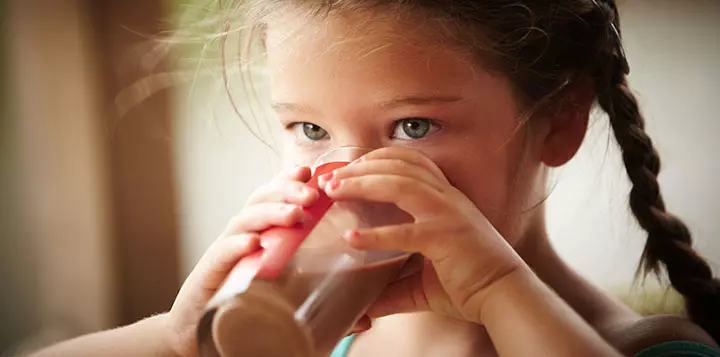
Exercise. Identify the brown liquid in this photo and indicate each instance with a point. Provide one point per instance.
(261, 321)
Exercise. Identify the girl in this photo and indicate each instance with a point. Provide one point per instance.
(469, 102)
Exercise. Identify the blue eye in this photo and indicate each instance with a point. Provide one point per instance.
(309, 131)
(414, 128)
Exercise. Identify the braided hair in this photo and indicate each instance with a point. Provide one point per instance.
(669, 242)
(544, 47)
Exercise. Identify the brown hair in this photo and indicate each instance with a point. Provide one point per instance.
(542, 47)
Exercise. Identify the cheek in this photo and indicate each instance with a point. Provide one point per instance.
(499, 184)
(294, 156)
(484, 182)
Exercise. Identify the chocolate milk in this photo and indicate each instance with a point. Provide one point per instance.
(303, 290)
(285, 321)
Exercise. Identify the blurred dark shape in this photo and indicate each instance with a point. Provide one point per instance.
(88, 227)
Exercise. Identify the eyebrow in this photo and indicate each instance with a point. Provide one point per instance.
(419, 100)
(393, 103)
(292, 107)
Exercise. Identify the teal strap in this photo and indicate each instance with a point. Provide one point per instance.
(679, 349)
(667, 349)
(342, 348)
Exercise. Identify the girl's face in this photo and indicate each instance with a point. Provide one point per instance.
(337, 81)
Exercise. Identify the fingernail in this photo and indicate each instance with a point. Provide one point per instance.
(326, 177)
(303, 192)
(350, 235)
(290, 208)
(333, 185)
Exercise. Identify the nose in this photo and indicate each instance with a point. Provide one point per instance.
(356, 138)
(342, 154)
(350, 145)
(346, 145)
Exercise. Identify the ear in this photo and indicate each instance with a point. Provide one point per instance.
(567, 126)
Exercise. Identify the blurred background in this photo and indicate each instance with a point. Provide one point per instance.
(107, 202)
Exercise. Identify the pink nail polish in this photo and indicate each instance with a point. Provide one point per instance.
(303, 192)
(334, 185)
(326, 177)
(349, 235)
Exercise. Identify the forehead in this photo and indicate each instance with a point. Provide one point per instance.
(361, 49)
(362, 29)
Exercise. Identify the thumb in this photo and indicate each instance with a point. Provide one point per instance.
(401, 296)
(421, 291)
(207, 276)
(221, 257)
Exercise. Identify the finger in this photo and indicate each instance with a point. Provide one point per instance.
(487, 256)
(287, 191)
(413, 265)
(403, 296)
(385, 167)
(411, 156)
(412, 196)
(262, 216)
(426, 238)
(222, 256)
(297, 173)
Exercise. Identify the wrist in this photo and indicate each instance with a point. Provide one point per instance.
(514, 284)
(169, 336)
(523, 305)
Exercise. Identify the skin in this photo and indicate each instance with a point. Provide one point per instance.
(476, 159)
(490, 275)
(492, 172)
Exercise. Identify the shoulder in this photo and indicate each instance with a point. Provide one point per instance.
(655, 330)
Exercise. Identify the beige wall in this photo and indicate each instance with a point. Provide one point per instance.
(17, 316)
(92, 206)
(61, 193)
(674, 52)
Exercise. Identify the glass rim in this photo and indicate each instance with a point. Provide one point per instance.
(342, 154)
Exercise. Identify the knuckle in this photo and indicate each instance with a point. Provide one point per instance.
(400, 166)
(286, 188)
(459, 229)
(214, 254)
(257, 195)
(408, 231)
(236, 220)
(403, 185)
(276, 191)
(286, 173)
(289, 218)
(381, 152)
(373, 236)
(257, 212)
(409, 156)
(440, 250)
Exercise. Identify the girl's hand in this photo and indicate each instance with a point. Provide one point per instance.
(279, 203)
(465, 256)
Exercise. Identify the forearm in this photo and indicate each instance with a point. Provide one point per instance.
(148, 337)
(526, 318)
